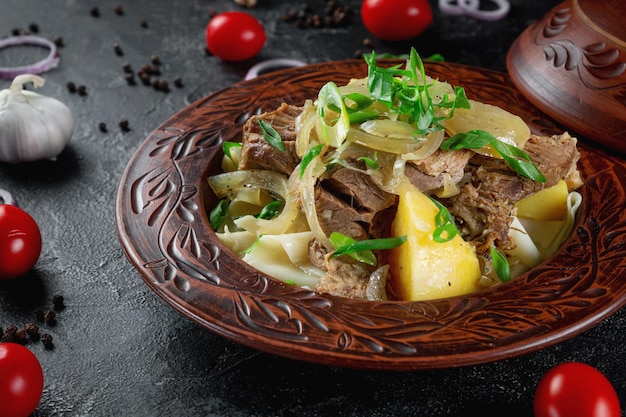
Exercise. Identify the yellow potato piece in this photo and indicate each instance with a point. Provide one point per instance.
(547, 204)
(505, 126)
(423, 269)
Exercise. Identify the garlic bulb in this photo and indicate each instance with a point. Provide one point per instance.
(32, 126)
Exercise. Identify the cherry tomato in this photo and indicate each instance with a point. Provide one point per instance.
(574, 389)
(21, 381)
(394, 20)
(234, 36)
(20, 242)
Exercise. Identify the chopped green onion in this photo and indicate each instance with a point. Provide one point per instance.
(219, 214)
(371, 163)
(271, 135)
(362, 250)
(330, 98)
(251, 247)
(500, 265)
(515, 158)
(270, 210)
(436, 58)
(445, 228)
(309, 156)
(227, 147)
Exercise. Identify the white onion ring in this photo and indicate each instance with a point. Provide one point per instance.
(472, 8)
(51, 61)
(7, 198)
(278, 63)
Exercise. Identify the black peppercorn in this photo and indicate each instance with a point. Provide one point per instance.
(178, 83)
(102, 127)
(143, 23)
(33, 28)
(118, 49)
(32, 329)
(130, 78)
(46, 339)
(58, 302)
(82, 90)
(155, 60)
(11, 330)
(95, 12)
(144, 77)
(58, 41)
(50, 317)
(124, 125)
(20, 336)
(119, 10)
(39, 314)
(71, 87)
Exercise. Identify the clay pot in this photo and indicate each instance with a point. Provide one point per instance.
(572, 65)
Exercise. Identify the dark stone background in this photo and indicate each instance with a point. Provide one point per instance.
(118, 349)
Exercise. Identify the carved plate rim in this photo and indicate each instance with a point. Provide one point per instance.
(163, 228)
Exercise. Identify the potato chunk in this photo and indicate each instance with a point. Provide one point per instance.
(547, 204)
(423, 269)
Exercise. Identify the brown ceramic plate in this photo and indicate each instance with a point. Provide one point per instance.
(161, 215)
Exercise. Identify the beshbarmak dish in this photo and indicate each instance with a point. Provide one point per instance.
(395, 186)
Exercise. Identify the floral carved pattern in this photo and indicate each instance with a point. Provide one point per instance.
(597, 62)
(162, 221)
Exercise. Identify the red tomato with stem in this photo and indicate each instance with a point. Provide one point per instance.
(20, 242)
(394, 20)
(234, 36)
(574, 389)
(21, 381)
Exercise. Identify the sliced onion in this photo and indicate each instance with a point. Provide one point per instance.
(227, 184)
(7, 198)
(272, 65)
(306, 188)
(452, 6)
(501, 11)
(472, 8)
(51, 61)
(381, 143)
(432, 143)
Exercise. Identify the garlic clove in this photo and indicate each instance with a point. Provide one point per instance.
(32, 126)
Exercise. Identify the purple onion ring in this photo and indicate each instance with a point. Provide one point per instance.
(51, 61)
(272, 64)
(452, 6)
(7, 198)
(472, 8)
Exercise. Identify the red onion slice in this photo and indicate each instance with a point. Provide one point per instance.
(472, 8)
(272, 65)
(501, 11)
(452, 6)
(7, 198)
(51, 61)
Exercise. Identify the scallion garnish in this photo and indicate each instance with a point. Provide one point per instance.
(251, 247)
(445, 228)
(362, 250)
(372, 163)
(308, 157)
(219, 214)
(270, 210)
(500, 265)
(271, 135)
(517, 159)
(228, 148)
(406, 91)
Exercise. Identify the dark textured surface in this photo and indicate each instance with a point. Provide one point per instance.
(119, 350)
